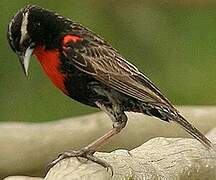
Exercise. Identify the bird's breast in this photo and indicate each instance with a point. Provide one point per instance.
(50, 61)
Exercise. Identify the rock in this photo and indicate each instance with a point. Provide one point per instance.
(24, 143)
(159, 158)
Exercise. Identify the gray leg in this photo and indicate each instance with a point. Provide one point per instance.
(117, 127)
(120, 121)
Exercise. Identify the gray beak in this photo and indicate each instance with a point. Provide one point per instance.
(24, 59)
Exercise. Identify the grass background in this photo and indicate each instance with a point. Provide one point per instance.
(172, 42)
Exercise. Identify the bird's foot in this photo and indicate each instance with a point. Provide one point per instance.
(84, 153)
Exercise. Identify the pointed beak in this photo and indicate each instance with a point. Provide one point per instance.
(24, 59)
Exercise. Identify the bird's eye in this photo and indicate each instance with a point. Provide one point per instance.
(32, 45)
(26, 42)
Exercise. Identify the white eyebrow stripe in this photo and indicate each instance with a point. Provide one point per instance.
(24, 26)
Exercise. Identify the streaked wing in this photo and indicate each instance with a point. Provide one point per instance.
(106, 65)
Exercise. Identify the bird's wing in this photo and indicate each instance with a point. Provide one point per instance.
(104, 63)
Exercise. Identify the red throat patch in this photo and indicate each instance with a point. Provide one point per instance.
(50, 63)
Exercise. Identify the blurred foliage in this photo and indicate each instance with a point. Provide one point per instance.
(172, 43)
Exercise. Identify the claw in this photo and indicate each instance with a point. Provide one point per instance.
(129, 153)
(54, 162)
(101, 162)
(84, 153)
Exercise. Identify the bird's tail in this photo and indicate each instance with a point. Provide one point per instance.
(179, 119)
(168, 115)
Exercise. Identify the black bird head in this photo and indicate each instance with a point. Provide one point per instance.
(34, 26)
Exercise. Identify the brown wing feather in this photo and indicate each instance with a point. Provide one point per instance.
(99, 59)
(106, 65)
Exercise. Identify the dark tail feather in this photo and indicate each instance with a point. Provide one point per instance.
(167, 115)
(192, 131)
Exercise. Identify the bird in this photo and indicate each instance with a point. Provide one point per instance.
(88, 69)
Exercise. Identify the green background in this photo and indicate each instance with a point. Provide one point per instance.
(172, 43)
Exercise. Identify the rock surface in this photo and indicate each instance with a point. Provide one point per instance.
(159, 158)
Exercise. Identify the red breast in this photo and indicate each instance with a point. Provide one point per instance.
(50, 62)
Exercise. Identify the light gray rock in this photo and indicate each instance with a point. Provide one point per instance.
(159, 158)
(22, 178)
(27, 147)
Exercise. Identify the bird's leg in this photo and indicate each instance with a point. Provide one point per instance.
(88, 151)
